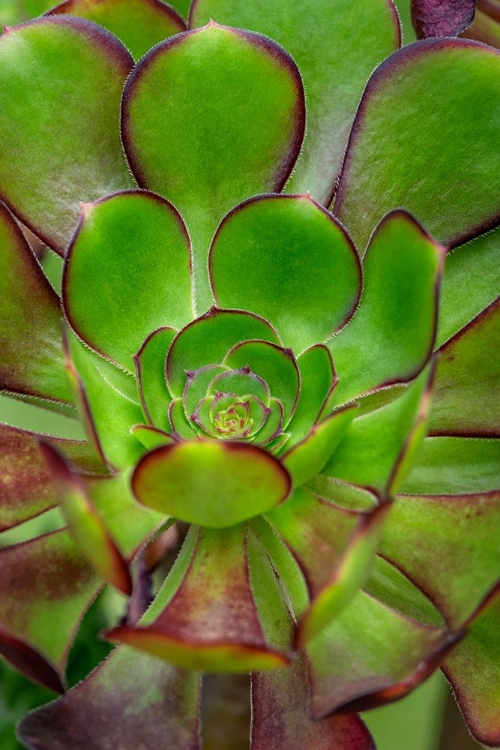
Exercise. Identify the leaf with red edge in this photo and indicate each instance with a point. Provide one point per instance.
(150, 373)
(46, 586)
(433, 541)
(282, 720)
(208, 619)
(32, 363)
(371, 655)
(87, 526)
(232, 113)
(465, 395)
(26, 488)
(441, 17)
(131, 700)
(473, 668)
(422, 140)
(74, 153)
(139, 24)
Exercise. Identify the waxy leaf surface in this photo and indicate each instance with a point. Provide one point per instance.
(230, 125)
(32, 363)
(126, 273)
(26, 488)
(392, 332)
(46, 587)
(336, 48)
(465, 395)
(285, 258)
(212, 483)
(132, 699)
(432, 539)
(63, 155)
(318, 378)
(422, 141)
(139, 24)
(150, 373)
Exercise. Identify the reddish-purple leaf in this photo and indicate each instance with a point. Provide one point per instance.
(441, 17)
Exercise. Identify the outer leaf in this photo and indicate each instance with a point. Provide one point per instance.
(46, 586)
(486, 26)
(448, 18)
(379, 447)
(150, 373)
(308, 458)
(74, 152)
(348, 45)
(473, 266)
(371, 655)
(87, 526)
(130, 700)
(454, 466)
(417, 105)
(211, 622)
(286, 259)
(107, 408)
(232, 114)
(208, 339)
(432, 540)
(32, 362)
(382, 345)
(472, 669)
(465, 395)
(126, 273)
(282, 720)
(212, 483)
(139, 24)
(26, 489)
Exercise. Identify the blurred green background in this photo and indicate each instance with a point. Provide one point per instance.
(426, 720)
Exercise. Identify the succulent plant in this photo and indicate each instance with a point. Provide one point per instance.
(280, 343)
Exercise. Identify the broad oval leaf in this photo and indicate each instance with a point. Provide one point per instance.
(127, 272)
(68, 154)
(422, 141)
(286, 258)
(214, 484)
(232, 113)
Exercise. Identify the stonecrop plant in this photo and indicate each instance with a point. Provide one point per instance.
(278, 325)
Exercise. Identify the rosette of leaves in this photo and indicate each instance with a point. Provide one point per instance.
(266, 347)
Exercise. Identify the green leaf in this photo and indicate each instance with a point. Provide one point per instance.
(381, 345)
(277, 366)
(439, 100)
(32, 362)
(197, 382)
(472, 668)
(465, 395)
(379, 446)
(371, 655)
(240, 383)
(336, 50)
(473, 266)
(207, 341)
(107, 409)
(150, 373)
(307, 459)
(232, 114)
(46, 587)
(454, 466)
(212, 483)
(130, 699)
(431, 539)
(286, 259)
(26, 489)
(126, 273)
(151, 437)
(193, 633)
(348, 577)
(68, 154)
(88, 528)
(139, 24)
(317, 380)
(281, 716)
(180, 427)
